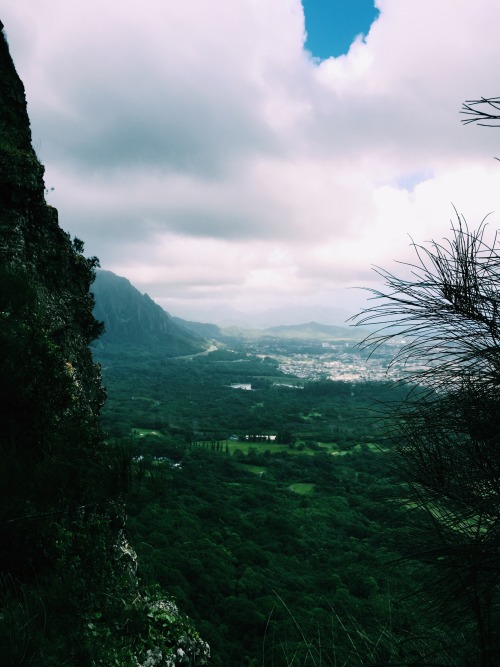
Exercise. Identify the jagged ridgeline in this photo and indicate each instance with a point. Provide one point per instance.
(68, 590)
(134, 320)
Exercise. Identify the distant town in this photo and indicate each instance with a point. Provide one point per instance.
(345, 361)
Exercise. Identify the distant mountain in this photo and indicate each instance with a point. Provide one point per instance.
(134, 319)
(315, 331)
(285, 315)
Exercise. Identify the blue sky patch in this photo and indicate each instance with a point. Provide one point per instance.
(332, 25)
(410, 180)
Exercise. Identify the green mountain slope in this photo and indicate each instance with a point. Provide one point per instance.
(134, 319)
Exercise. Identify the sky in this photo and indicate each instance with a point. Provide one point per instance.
(233, 158)
(332, 25)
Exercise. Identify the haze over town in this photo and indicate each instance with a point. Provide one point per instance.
(210, 153)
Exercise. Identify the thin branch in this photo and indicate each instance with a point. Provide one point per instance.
(484, 112)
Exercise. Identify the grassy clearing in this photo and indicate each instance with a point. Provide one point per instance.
(303, 488)
(312, 415)
(260, 447)
(371, 446)
(473, 525)
(256, 470)
(141, 432)
(299, 449)
(333, 449)
(292, 382)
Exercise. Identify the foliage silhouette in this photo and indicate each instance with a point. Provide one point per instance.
(485, 111)
(446, 439)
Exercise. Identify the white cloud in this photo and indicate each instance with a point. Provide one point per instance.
(198, 149)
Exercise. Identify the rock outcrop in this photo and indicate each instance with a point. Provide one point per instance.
(50, 389)
(65, 595)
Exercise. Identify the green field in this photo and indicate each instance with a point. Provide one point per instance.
(256, 470)
(299, 448)
(141, 432)
(303, 488)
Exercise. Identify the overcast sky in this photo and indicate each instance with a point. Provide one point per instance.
(205, 151)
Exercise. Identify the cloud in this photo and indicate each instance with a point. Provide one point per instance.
(200, 151)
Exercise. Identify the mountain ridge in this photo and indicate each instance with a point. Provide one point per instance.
(134, 319)
(314, 330)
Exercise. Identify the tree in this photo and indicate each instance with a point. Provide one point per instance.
(446, 439)
(485, 111)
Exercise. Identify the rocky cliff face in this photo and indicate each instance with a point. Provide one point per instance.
(49, 386)
(53, 487)
(68, 591)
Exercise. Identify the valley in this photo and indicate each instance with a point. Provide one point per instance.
(241, 390)
(261, 498)
(178, 493)
(261, 493)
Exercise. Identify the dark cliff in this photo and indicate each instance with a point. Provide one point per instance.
(68, 590)
(49, 386)
(53, 486)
